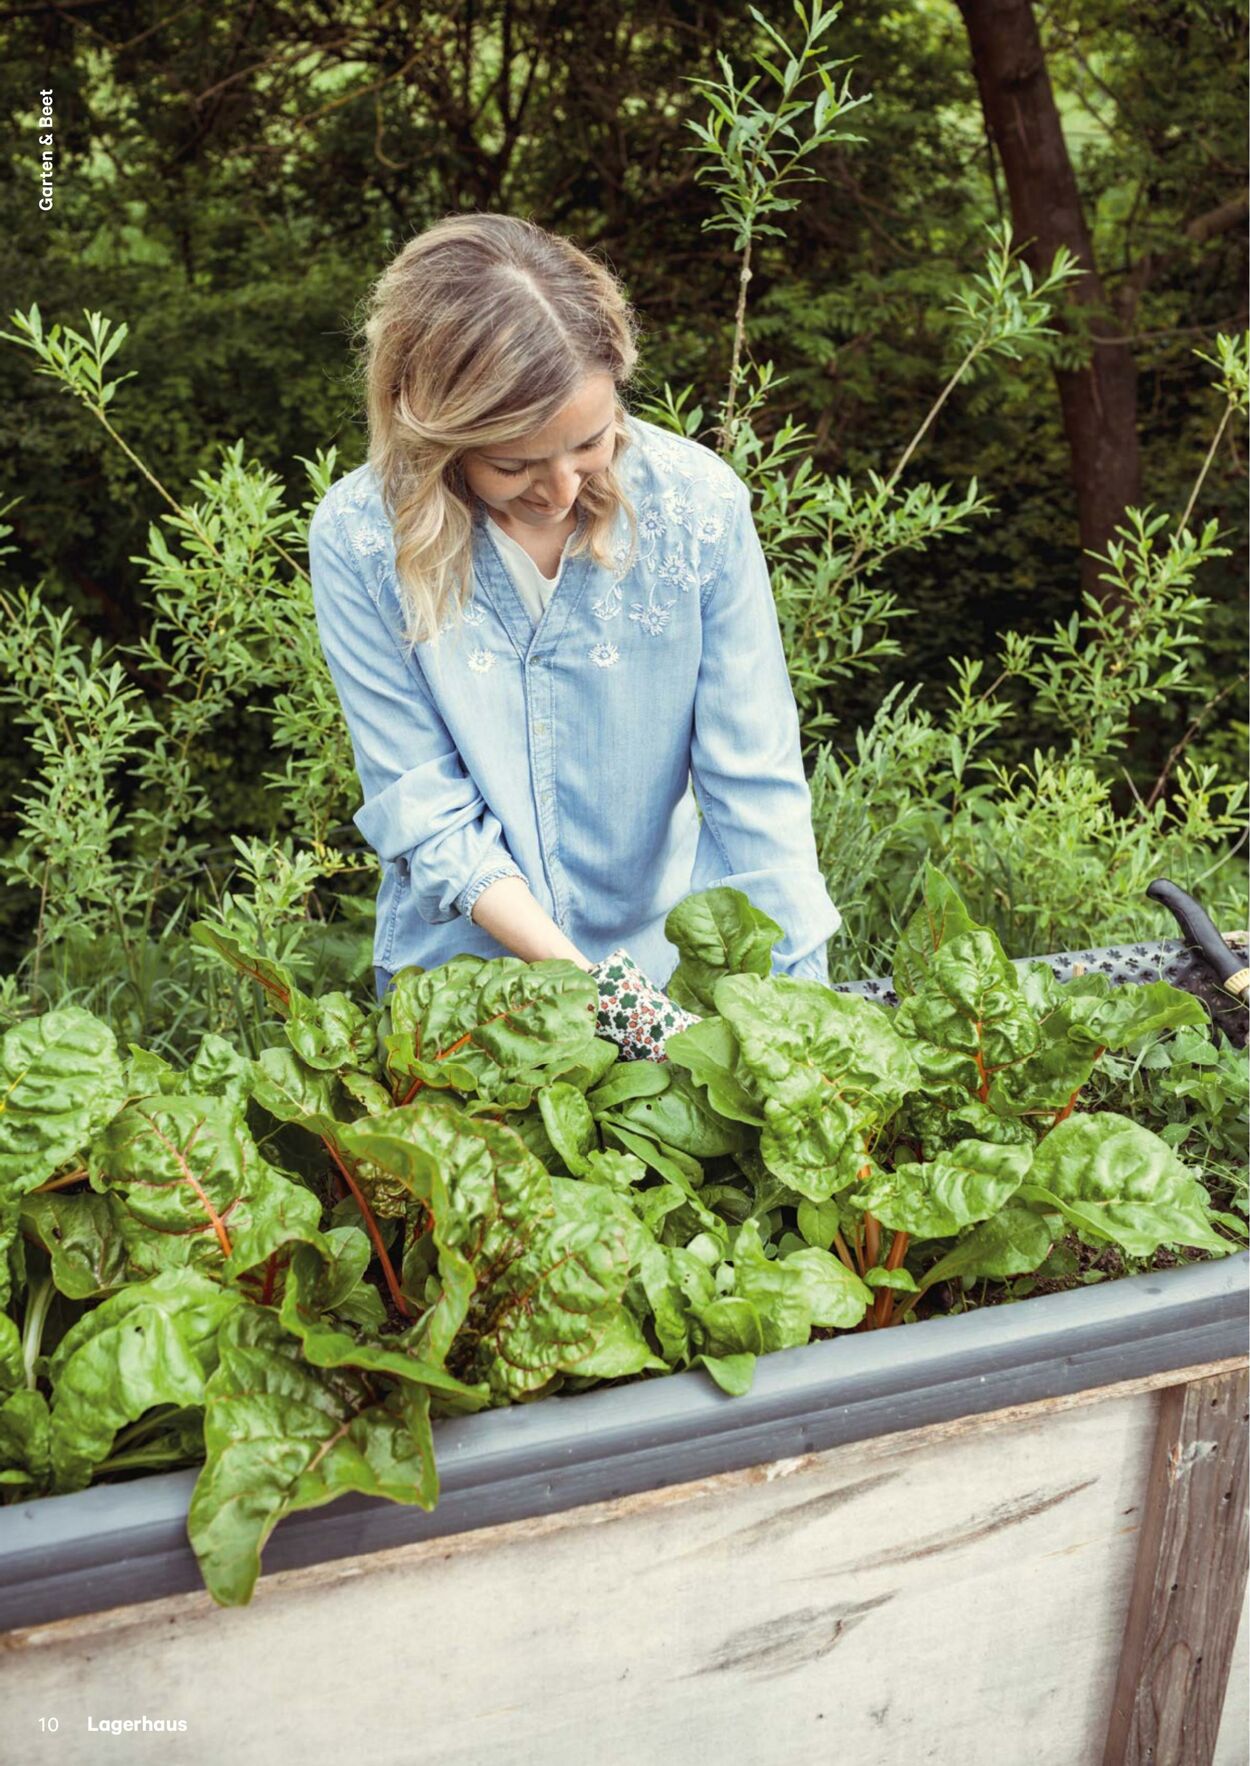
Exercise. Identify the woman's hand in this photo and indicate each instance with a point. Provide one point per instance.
(633, 1012)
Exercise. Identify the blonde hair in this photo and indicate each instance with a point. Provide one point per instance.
(479, 331)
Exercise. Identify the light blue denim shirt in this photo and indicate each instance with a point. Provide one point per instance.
(565, 753)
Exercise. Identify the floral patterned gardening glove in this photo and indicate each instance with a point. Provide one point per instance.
(633, 1012)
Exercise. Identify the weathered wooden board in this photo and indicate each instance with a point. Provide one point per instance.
(955, 1593)
(1190, 1581)
(1232, 1747)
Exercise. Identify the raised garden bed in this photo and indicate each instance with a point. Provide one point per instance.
(1032, 1512)
(955, 1517)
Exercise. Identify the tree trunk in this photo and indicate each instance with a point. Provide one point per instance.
(1099, 402)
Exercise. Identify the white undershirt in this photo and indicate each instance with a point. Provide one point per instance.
(534, 588)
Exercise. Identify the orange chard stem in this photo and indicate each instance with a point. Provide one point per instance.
(371, 1227)
(215, 1220)
(885, 1298)
(843, 1253)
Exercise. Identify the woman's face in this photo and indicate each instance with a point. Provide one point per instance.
(534, 481)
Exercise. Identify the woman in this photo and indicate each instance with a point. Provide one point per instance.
(544, 619)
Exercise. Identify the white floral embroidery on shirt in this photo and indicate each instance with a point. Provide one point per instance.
(694, 466)
(677, 573)
(682, 504)
(679, 507)
(609, 603)
(474, 613)
(481, 661)
(369, 539)
(604, 655)
(650, 525)
(652, 618)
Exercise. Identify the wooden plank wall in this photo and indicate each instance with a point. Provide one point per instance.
(957, 1593)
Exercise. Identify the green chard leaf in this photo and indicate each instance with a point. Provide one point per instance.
(935, 1200)
(969, 1019)
(277, 981)
(731, 1326)
(718, 932)
(830, 1067)
(570, 1125)
(342, 1288)
(151, 1343)
(82, 1234)
(820, 1222)
(682, 1117)
(26, 1442)
(1079, 1020)
(656, 1205)
(902, 1281)
(1117, 1182)
(709, 1051)
(292, 1091)
(310, 1292)
(791, 1294)
(332, 1032)
(1015, 1241)
(586, 1069)
(366, 1090)
(281, 1435)
(627, 1080)
(676, 1283)
(941, 917)
(975, 1121)
(61, 1080)
(217, 1070)
(195, 1188)
(674, 1165)
(12, 1247)
(531, 1269)
(615, 1171)
(734, 1374)
(493, 1026)
(12, 1361)
(1092, 1010)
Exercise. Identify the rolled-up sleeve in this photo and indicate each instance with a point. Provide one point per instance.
(421, 810)
(746, 760)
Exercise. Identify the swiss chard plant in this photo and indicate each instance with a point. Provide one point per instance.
(291, 1266)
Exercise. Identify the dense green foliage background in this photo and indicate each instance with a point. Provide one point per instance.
(230, 181)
